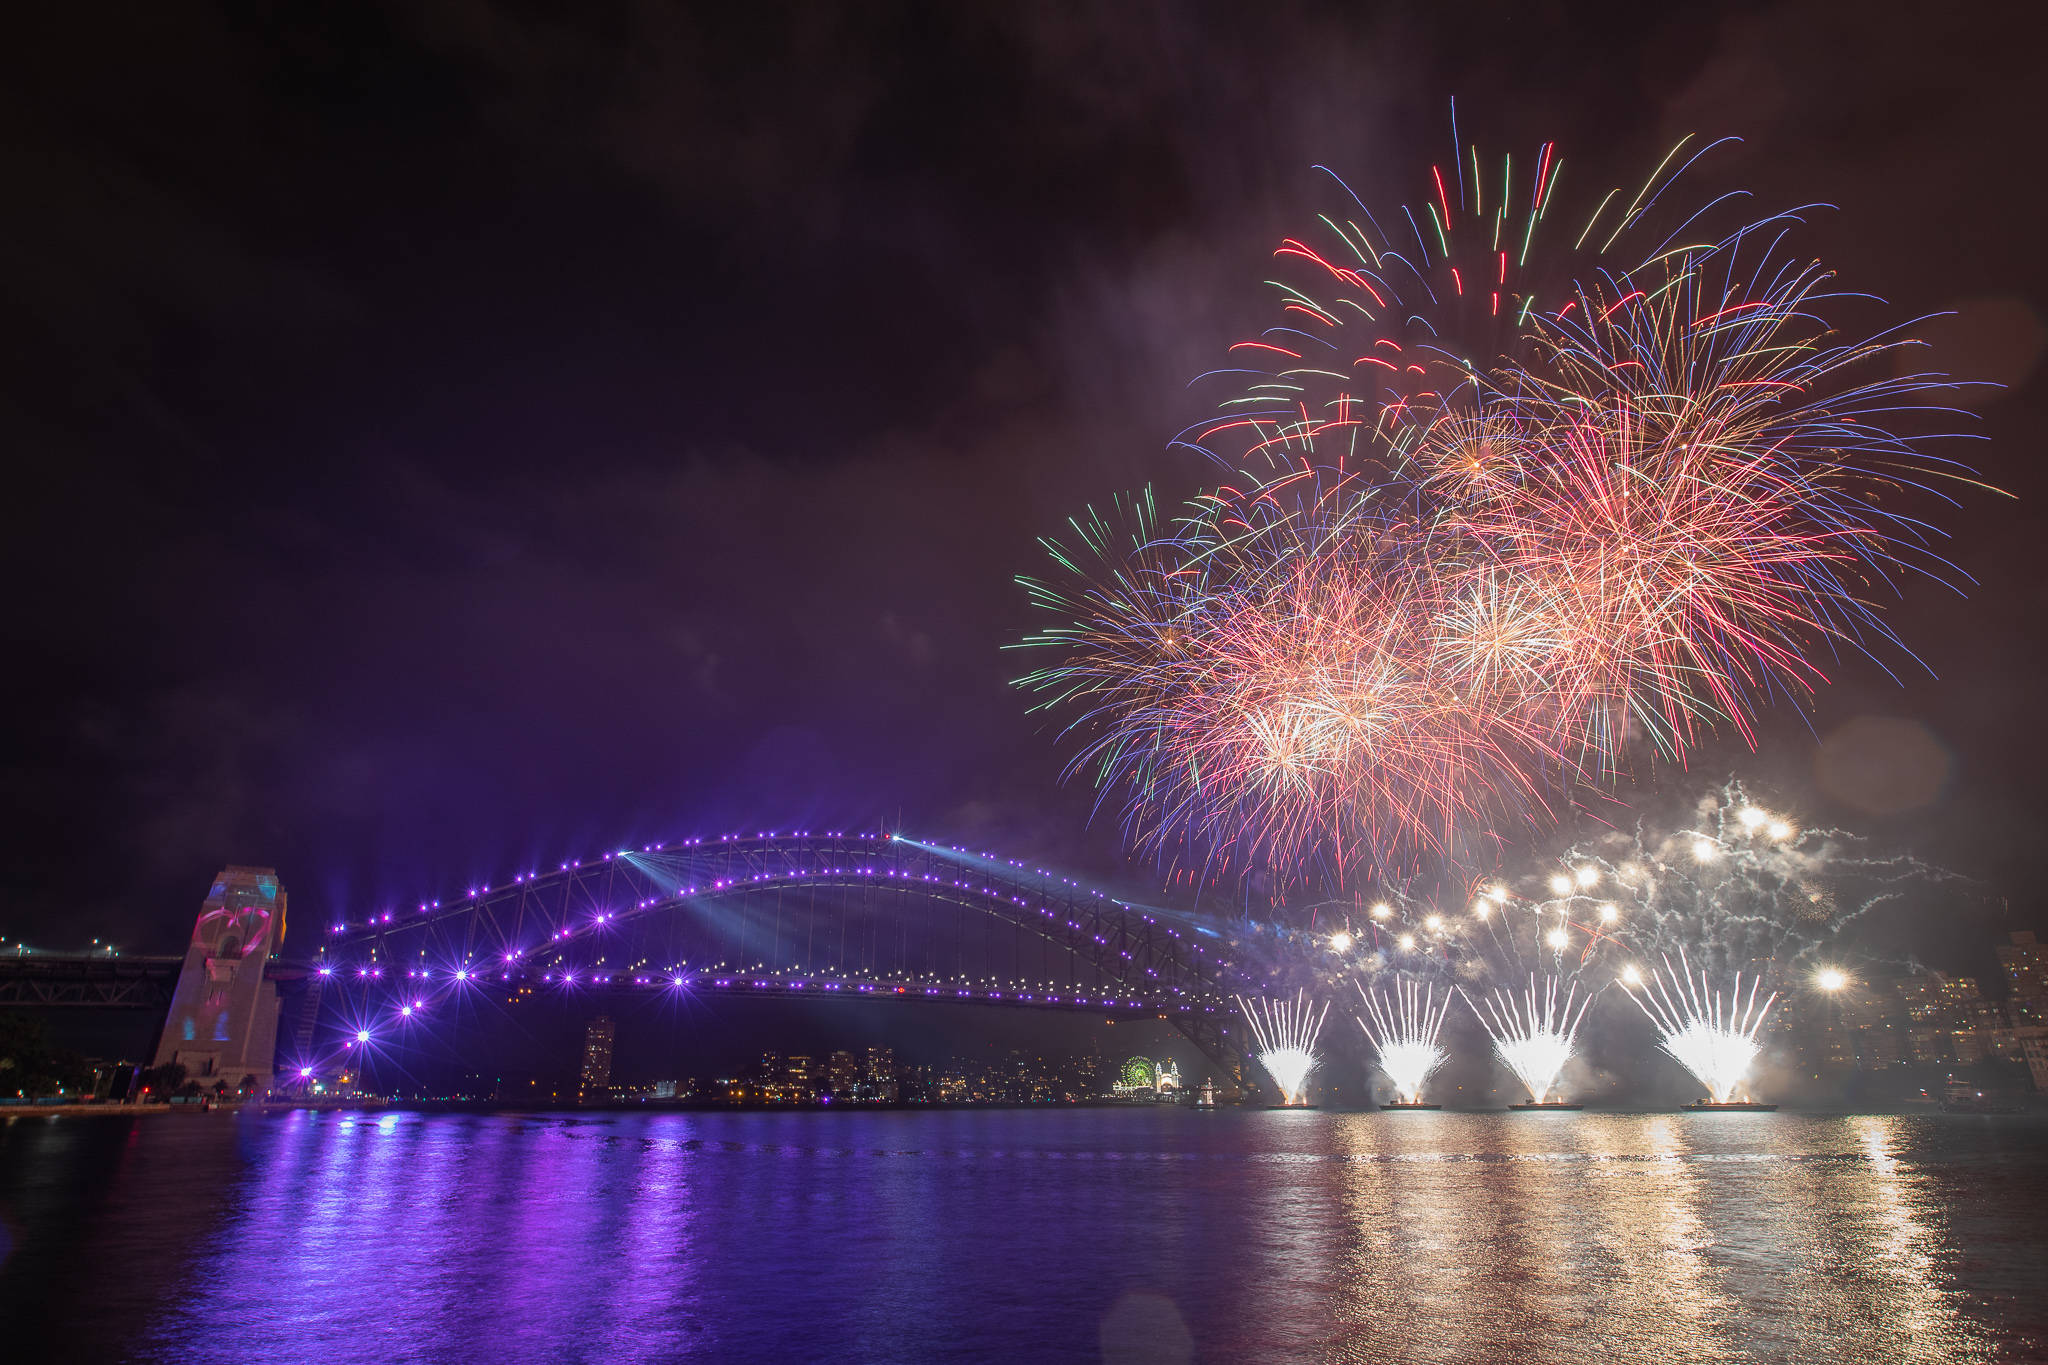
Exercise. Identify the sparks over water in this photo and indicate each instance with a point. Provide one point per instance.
(1533, 1035)
(1404, 1030)
(1286, 1031)
(1710, 1033)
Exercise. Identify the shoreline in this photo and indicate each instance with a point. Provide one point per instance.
(383, 1105)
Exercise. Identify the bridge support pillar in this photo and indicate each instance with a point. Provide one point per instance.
(223, 1020)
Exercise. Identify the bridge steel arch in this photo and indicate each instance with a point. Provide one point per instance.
(552, 930)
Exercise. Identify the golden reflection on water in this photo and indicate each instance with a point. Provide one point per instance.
(1613, 1238)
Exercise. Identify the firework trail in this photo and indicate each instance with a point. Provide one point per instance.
(1286, 1032)
(1533, 1038)
(1404, 1031)
(1727, 881)
(1504, 519)
(1710, 1034)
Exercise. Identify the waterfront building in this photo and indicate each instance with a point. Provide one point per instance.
(1873, 1018)
(597, 1059)
(880, 1075)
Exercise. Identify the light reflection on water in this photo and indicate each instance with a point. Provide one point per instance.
(1043, 1235)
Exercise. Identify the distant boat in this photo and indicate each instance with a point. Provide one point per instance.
(1205, 1098)
(1547, 1104)
(1409, 1104)
(1962, 1099)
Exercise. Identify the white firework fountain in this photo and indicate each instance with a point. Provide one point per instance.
(1286, 1032)
(1710, 1034)
(1404, 1030)
(1533, 1033)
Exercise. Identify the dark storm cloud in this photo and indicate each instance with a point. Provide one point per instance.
(462, 436)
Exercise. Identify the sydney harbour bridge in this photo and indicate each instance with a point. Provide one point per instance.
(872, 916)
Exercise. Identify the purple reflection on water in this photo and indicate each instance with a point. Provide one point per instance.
(1023, 1234)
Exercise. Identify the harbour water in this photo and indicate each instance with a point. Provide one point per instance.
(1152, 1234)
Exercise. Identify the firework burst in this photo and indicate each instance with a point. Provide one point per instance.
(1403, 1029)
(1286, 1031)
(1532, 1033)
(1518, 516)
(1710, 1033)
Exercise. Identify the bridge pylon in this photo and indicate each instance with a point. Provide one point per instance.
(223, 1019)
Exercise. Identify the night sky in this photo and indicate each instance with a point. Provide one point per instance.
(446, 438)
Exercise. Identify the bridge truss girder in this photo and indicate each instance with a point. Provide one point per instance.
(542, 926)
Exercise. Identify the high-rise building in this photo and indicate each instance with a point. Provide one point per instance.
(880, 1077)
(597, 1060)
(845, 1075)
(2026, 964)
(2025, 960)
(1940, 1011)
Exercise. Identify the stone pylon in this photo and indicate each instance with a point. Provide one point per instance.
(223, 1020)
